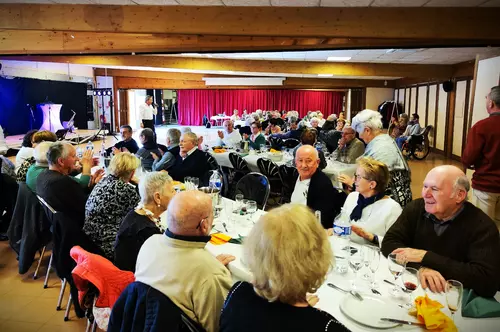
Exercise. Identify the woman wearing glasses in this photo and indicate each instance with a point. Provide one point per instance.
(256, 139)
(371, 212)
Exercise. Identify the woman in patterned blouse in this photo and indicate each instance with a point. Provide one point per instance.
(110, 201)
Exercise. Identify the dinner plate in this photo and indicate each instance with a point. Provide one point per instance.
(369, 311)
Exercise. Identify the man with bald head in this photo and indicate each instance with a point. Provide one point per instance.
(350, 148)
(313, 188)
(177, 264)
(446, 236)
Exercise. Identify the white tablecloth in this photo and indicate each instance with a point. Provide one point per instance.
(330, 299)
(219, 119)
(251, 159)
(335, 168)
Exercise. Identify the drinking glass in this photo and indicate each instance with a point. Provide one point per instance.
(356, 263)
(195, 182)
(454, 292)
(396, 268)
(239, 202)
(367, 256)
(262, 148)
(411, 282)
(374, 264)
(187, 183)
(251, 209)
(244, 203)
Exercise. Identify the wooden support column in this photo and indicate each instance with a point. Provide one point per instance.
(450, 121)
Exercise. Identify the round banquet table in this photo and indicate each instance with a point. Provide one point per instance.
(329, 298)
(218, 120)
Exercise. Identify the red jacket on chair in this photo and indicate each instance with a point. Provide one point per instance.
(107, 278)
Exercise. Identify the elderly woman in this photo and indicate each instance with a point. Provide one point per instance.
(370, 210)
(257, 138)
(382, 147)
(148, 141)
(26, 150)
(41, 164)
(110, 201)
(38, 137)
(156, 191)
(283, 276)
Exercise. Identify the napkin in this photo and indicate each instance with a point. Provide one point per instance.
(219, 150)
(219, 238)
(429, 312)
(476, 306)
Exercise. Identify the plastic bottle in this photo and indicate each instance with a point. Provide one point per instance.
(215, 182)
(341, 242)
(89, 146)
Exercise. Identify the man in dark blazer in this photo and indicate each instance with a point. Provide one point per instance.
(190, 161)
(313, 188)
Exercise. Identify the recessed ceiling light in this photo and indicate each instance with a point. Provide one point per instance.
(325, 75)
(338, 58)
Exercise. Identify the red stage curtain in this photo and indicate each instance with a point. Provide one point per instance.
(193, 104)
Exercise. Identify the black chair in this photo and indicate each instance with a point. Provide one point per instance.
(268, 168)
(256, 187)
(212, 162)
(275, 142)
(289, 177)
(290, 143)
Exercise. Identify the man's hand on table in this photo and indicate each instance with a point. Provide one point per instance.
(432, 279)
(225, 259)
(409, 255)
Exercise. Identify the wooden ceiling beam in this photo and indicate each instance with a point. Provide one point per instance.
(310, 22)
(287, 67)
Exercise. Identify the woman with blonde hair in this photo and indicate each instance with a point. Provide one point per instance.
(110, 201)
(156, 190)
(289, 255)
(371, 212)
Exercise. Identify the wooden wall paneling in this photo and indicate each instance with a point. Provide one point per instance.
(407, 100)
(473, 94)
(401, 97)
(413, 100)
(427, 105)
(432, 114)
(466, 115)
(422, 103)
(459, 118)
(441, 118)
(450, 120)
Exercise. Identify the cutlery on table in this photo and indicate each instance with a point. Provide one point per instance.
(353, 293)
(391, 283)
(400, 321)
(224, 225)
(374, 291)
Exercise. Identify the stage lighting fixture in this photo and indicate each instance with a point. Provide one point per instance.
(99, 93)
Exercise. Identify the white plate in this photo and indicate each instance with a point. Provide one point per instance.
(369, 311)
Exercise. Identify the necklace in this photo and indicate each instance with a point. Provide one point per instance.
(151, 216)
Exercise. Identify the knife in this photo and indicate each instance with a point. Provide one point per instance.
(353, 293)
(400, 321)
(402, 288)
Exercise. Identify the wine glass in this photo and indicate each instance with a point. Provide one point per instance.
(251, 209)
(239, 202)
(187, 183)
(356, 263)
(367, 256)
(195, 182)
(454, 292)
(396, 267)
(374, 264)
(411, 282)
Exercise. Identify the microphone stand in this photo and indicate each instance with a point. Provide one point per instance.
(32, 119)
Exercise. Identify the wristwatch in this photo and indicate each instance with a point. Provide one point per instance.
(375, 240)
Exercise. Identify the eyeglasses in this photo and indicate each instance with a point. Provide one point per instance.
(357, 177)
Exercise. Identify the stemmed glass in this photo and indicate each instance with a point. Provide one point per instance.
(367, 256)
(195, 182)
(251, 209)
(356, 263)
(454, 292)
(397, 268)
(187, 183)
(239, 202)
(374, 254)
(411, 282)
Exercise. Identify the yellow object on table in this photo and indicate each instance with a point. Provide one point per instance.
(219, 238)
(178, 185)
(429, 312)
(219, 150)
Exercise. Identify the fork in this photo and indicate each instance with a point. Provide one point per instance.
(374, 291)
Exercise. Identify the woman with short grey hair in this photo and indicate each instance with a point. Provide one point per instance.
(41, 164)
(156, 191)
(381, 147)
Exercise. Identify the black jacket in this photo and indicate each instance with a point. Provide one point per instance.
(142, 308)
(130, 145)
(324, 197)
(29, 229)
(195, 165)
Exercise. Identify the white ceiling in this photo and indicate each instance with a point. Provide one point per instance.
(444, 56)
(289, 3)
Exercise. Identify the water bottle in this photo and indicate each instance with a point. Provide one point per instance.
(341, 242)
(215, 185)
(215, 182)
(89, 146)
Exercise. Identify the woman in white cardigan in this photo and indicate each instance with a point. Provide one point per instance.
(371, 212)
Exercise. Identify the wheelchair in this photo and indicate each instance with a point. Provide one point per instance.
(418, 145)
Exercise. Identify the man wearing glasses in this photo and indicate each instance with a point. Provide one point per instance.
(350, 148)
(178, 265)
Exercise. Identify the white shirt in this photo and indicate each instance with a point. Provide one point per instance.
(230, 140)
(23, 154)
(235, 117)
(376, 218)
(299, 195)
(190, 152)
(146, 112)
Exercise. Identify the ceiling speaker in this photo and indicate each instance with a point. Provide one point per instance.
(448, 86)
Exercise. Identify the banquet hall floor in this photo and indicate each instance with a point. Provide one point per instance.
(26, 306)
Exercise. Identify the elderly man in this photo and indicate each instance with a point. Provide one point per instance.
(63, 192)
(313, 188)
(191, 161)
(349, 148)
(294, 131)
(482, 153)
(229, 137)
(126, 144)
(446, 236)
(146, 113)
(173, 150)
(177, 264)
